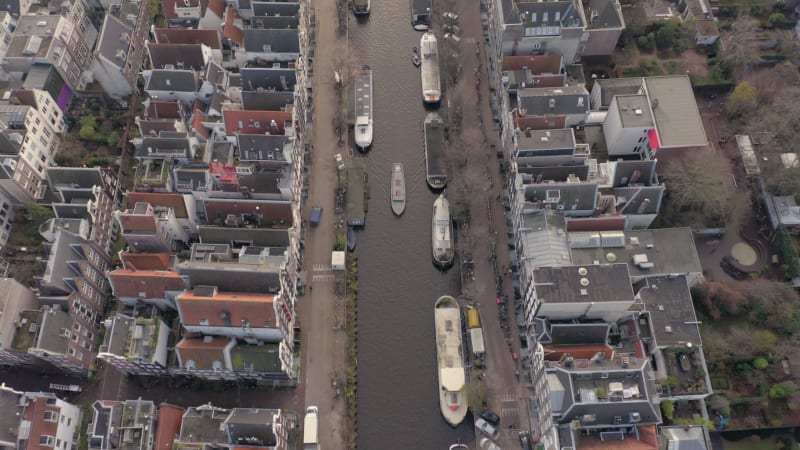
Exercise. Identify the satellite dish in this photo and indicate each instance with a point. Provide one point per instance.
(611, 257)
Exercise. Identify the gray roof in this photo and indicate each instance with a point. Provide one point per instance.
(672, 316)
(230, 275)
(549, 14)
(574, 393)
(173, 80)
(688, 437)
(546, 139)
(31, 24)
(553, 173)
(572, 196)
(12, 6)
(266, 237)
(74, 177)
(553, 101)
(204, 424)
(671, 250)
(256, 147)
(675, 111)
(509, 11)
(579, 333)
(258, 358)
(280, 41)
(610, 87)
(608, 282)
(116, 338)
(180, 56)
(275, 9)
(543, 239)
(267, 101)
(51, 338)
(195, 175)
(9, 414)
(633, 172)
(174, 146)
(275, 22)
(251, 426)
(263, 181)
(634, 111)
(59, 275)
(607, 14)
(215, 74)
(648, 198)
(111, 39)
(268, 79)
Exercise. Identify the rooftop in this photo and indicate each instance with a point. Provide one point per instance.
(546, 139)
(203, 353)
(9, 414)
(563, 196)
(174, 201)
(271, 41)
(611, 87)
(209, 37)
(144, 283)
(689, 437)
(675, 111)
(252, 426)
(223, 309)
(537, 64)
(169, 425)
(172, 80)
(663, 251)
(179, 56)
(256, 358)
(671, 312)
(204, 424)
(590, 283)
(256, 122)
(544, 239)
(634, 111)
(553, 101)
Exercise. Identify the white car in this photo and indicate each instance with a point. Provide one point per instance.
(486, 444)
(487, 429)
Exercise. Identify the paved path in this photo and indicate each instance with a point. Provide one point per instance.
(322, 345)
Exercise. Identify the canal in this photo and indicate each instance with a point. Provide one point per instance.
(398, 398)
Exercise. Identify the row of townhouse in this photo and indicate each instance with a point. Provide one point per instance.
(606, 309)
(37, 420)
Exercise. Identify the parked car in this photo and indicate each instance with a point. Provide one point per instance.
(486, 444)
(489, 416)
(316, 215)
(525, 440)
(487, 429)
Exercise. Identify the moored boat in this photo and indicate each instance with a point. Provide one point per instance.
(398, 189)
(442, 233)
(351, 239)
(415, 57)
(431, 81)
(435, 167)
(450, 358)
(361, 7)
(421, 14)
(363, 109)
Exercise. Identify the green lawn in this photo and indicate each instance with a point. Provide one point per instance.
(748, 444)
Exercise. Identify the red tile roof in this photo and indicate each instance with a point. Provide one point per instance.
(169, 7)
(189, 36)
(169, 424)
(536, 63)
(545, 81)
(577, 351)
(201, 352)
(137, 222)
(146, 261)
(239, 121)
(217, 7)
(197, 124)
(39, 427)
(256, 309)
(230, 31)
(602, 223)
(153, 283)
(224, 173)
(159, 109)
(174, 201)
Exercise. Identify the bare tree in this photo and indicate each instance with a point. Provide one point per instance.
(700, 183)
(739, 52)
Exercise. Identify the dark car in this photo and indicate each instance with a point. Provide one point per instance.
(316, 215)
(490, 416)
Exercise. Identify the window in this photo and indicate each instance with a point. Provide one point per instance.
(51, 416)
(47, 441)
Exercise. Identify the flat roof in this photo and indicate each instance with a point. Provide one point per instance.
(675, 111)
(634, 111)
(672, 315)
(546, 139)
(582, 284)
(670, 250)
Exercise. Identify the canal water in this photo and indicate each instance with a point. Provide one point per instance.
(398, 398)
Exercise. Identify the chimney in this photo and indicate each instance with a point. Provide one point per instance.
(528, 132)
(552, 103)
(655, 103)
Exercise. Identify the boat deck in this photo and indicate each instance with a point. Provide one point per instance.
(429, 52)
(434, 151)
(449, 351)
(421, 13)
(363, 90)
(356, 193)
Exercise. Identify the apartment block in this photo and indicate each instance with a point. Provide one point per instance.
(135, 345)
(128, 424)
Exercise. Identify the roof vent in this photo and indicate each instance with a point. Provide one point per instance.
(637, 111)
(611, 257)
(552, 103)
(668, 329)
(582, 271)
(660, 307)
(208, 339)
(584, 292)
(584, 282)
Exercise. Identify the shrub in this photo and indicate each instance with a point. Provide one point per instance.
(760, 363)
(601, 393)
(668, 409)
(788, 252)
(782, 390)
(672, 381)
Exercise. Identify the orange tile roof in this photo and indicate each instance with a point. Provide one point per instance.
(207, 37)
(537, 64)
(145, 261)
(629, 443)
(137, 222)
(217, 7)
(545, 81)
(201, 352)
(230, 31)
(153, 283)
(254, 122)
(256, 309)
(602, 223)
(174, 201)
(169, 424)
(225, 173)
